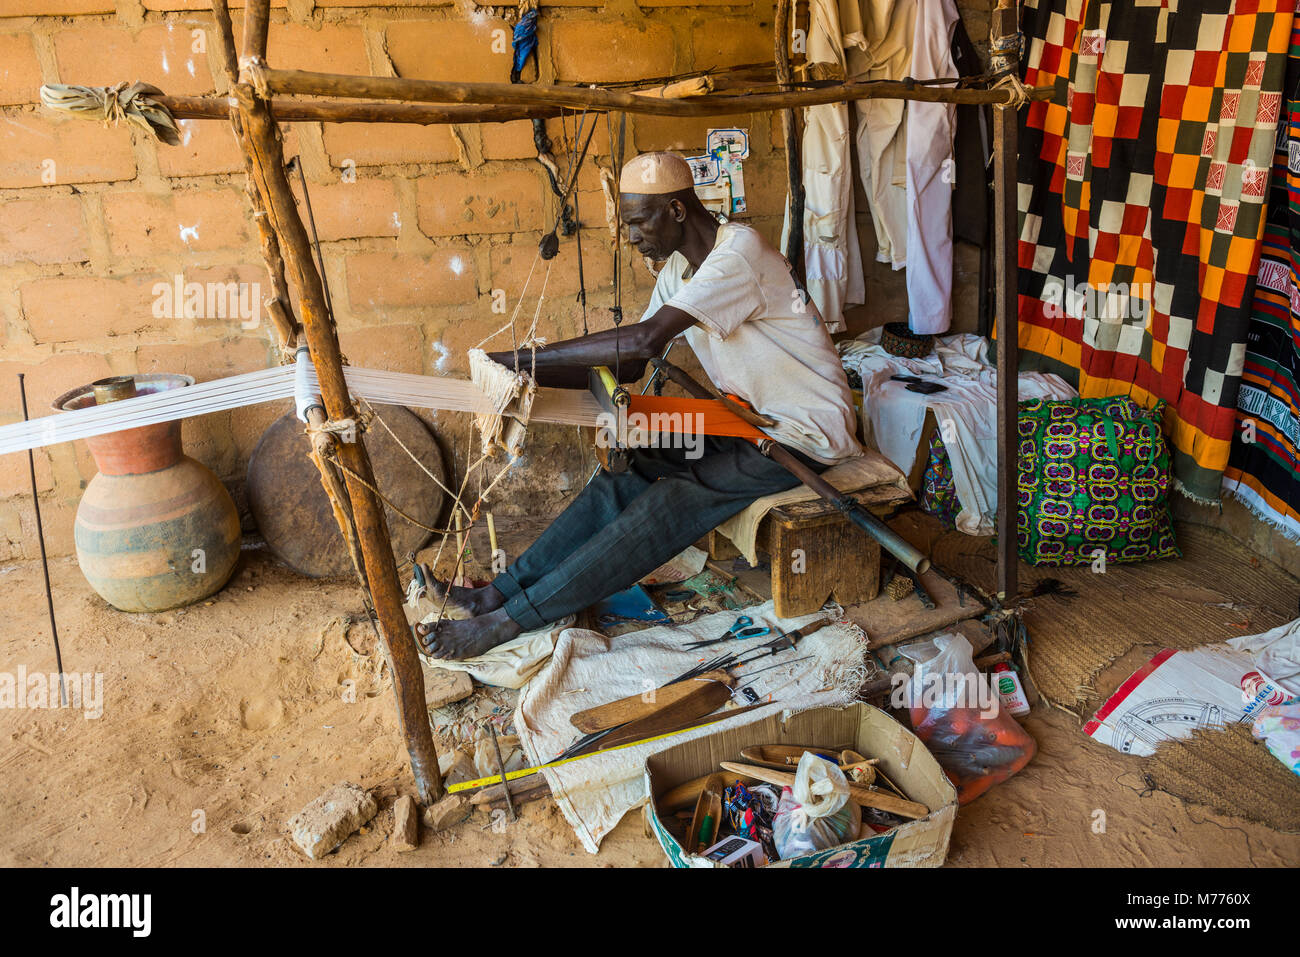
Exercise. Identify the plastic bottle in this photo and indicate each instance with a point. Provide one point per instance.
(1010, 690)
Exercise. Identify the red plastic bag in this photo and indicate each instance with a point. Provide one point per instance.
(956, 711)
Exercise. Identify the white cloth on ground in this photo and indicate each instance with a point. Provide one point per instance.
(1276, 653)
(589, 669)
(930, 129)
(966, 412)
(860, 472)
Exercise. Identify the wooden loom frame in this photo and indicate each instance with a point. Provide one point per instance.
(255, 114)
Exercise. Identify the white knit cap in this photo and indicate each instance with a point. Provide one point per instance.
(655, 173)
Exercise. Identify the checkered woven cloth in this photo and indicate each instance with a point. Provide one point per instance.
(1264, 468)
(1142, 187)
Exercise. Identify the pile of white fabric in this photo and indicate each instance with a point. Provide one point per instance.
(894, 417)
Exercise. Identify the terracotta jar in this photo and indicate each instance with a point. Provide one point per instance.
(155, 529)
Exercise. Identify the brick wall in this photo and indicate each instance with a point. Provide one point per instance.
(419, 225)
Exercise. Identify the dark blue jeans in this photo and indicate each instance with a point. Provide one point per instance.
(622, 527)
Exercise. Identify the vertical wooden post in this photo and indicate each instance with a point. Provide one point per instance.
(1006, 235)
(265, 153)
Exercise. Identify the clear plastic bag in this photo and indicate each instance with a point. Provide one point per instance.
(816, 813)
(956, 711)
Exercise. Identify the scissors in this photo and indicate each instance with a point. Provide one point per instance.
(741, 629)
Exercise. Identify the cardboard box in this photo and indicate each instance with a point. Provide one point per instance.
(869, 731)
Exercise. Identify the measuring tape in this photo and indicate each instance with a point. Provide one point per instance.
(524, 772)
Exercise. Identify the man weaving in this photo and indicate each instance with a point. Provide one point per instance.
(756, 335)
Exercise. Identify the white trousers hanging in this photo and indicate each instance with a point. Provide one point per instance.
(930, 180)
(832, 255)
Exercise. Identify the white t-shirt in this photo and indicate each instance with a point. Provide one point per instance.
(759, 338)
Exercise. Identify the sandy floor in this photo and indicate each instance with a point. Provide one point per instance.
(222, 720)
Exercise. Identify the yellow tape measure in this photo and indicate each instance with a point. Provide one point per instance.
(525, 772)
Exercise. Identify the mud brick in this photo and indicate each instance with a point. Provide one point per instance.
(378, 279)
(70, 150)
(20, 72)
(596, 51)
(151, 224)
(451, 50)
(488, 201)
(79, 308)
(366, 207)
(397, 348)
(43, 231)
(372, 144)
(101, 54)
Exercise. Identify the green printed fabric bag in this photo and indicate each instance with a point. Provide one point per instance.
(1094, 474)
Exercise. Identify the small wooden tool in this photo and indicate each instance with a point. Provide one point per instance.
(707, 818)
(784, 757)
(640, 706)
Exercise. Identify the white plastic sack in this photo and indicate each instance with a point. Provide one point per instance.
(817, 812)
(1276, 653)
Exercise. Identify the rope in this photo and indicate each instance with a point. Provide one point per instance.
(1020, 94)
(333, 458)
(402, 445)
(348, 429)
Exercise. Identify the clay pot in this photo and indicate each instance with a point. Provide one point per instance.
(155, 529)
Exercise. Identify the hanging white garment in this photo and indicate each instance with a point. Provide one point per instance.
(930, 164)
(832, 255)
(878, 46)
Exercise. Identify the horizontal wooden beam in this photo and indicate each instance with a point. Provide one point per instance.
(309, 111)
(304, 83)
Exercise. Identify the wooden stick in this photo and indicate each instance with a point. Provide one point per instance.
(865, 796)
(257, 25)
(313, 111)
(278, 305)
(696, 86)
(267, 156)
(1006, 310)
(305, 83)
(524, 790)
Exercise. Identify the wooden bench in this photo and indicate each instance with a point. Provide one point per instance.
(821, 553)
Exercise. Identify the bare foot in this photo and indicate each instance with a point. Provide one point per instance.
(458, 640)
(476, 601)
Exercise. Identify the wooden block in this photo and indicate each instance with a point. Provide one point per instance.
(817, 553)
(719, 547)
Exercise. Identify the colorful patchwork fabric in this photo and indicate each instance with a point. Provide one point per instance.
(1093, 482)
(1264, 468)
(1141, 192)
(938, 493)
